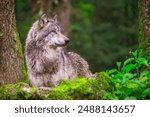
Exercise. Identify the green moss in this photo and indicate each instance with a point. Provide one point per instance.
(143, 39)
(20, 91)
(107, 85)
(11, 91)
(18, 49)
(34, 89)
(1, 34)
(17, 44)
(79, 88)
(105, 80)
(30, 93)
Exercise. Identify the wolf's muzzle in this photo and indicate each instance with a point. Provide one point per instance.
(63, 44)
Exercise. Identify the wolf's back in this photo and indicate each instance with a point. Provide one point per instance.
(80, 65)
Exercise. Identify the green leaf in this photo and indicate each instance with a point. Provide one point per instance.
(139, 83)
(109, 72)
(142, 61)
(118, 80)
(144, 73)
(130, 98)
(135, 54)
(118, 76)
(146, 92)
(128, 61)
(128, 68)
(127, 76)
(118, 64)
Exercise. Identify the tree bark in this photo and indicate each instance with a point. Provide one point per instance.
(34, 5)
(144, 27)
(11, 57)
(61, 8)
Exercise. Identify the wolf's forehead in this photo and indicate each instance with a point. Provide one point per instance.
(55, 26)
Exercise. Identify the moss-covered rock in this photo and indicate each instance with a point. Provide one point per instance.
(12, 91)
(78, 88)
(20, 91)
(107, 86)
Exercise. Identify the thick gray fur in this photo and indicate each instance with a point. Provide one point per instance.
(47, 61)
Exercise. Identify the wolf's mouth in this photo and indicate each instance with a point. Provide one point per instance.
(61, 44)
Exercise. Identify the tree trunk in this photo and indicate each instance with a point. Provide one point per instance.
(60, 8)
(34, 5)
(11, 58)
(144, 27)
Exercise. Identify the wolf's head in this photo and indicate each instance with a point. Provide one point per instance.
(46, 32)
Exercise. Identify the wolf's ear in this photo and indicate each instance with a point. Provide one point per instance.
(43, 20)
(55, 18)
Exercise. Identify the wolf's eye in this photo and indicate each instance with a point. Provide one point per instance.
(47, 21)
(53, 31)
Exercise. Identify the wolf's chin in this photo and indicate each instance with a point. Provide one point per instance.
(57, 45)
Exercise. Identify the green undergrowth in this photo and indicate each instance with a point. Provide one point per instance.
(131, 80)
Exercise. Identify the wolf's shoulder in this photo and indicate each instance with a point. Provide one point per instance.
(73, 54)
(77, 59)
(80, 65)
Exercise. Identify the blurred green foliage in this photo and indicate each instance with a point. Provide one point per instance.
(103, 31)
(24, 18)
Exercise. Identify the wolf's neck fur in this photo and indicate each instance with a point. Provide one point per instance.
(56, 56)
(60, 60)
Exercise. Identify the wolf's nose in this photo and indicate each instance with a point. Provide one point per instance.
(67, 41)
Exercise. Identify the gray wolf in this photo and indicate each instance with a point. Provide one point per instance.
(47, 61)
